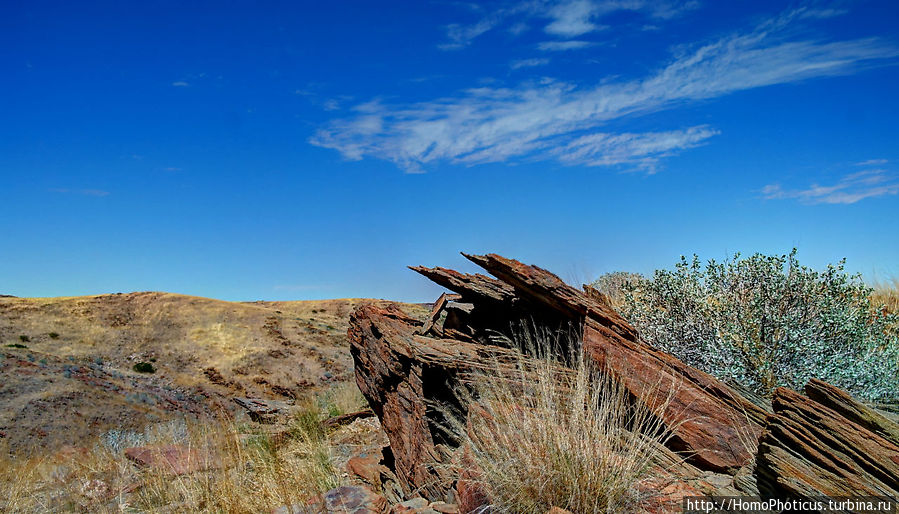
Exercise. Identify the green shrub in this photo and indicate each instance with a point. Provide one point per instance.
(53, 335)
(24, 338)
(144, 367)
(766, 321)
(16, 345)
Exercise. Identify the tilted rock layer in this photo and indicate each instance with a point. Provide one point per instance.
(404, 366)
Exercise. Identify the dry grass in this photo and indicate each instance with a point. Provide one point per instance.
(343, 398)
(886, 294)
(81, 352)
(547, 436)
(257, 472)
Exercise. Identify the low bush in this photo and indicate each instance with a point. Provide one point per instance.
(53, 335)
(144, 367)
(767, 321)
(24, 338)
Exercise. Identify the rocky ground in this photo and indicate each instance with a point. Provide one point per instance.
(67, 364)
(68, 376)
(722, 443)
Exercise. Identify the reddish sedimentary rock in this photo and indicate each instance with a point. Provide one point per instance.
(172, 459)
(400, 372)
(404, 367)
(812, 449)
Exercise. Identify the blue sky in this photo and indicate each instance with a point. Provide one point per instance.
(300, 150)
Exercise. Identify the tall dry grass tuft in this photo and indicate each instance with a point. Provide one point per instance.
(251, 471)
(886, 295)
(258, 472)
(543, 434)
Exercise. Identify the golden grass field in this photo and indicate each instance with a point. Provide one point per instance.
(66, 364)
(71, 402)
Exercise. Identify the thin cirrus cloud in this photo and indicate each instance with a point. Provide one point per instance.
(643, 151)
(561, 46)
(82, 192)
(529, 63)
(565, 19)
(494, 124)
(572, 19)
(575, 18)
(849, 189)
(461, 36)
(872, 162)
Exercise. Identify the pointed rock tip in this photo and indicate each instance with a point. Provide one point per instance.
(475, 258)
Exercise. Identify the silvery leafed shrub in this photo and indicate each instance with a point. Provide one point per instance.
(767, 321)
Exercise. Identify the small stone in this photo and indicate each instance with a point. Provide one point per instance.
(172, 459)
(413, 506)
(345, 499)
(94, 489)
(445, 508)
(366, 466)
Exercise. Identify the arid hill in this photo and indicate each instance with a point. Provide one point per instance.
(67, 364)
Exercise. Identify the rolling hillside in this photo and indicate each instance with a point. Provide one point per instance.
(67, 364)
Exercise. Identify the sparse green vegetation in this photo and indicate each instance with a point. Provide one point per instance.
(767, 321)
(144, 367)
(53, 335)
(24, 338)
(16, 345)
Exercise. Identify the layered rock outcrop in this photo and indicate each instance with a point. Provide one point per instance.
(405, 366)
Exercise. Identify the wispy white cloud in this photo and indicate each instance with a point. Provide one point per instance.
(849, 189)
(529, 63)
(461, 36)
(822, 13)
(493, 124)
(83, 192)
(556, 46)
(641, 150)
(872, 162)
(180, 83)
(572, 18)
(564, 19)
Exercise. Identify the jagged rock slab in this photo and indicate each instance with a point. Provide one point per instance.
(472, 288)
(401, 371)
(712, 423)
(813, 449)
(823, 444)
(849, 408)
(346, 419)
(264, 411)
